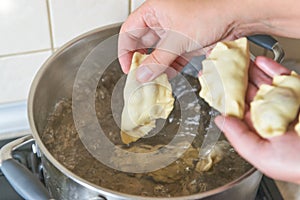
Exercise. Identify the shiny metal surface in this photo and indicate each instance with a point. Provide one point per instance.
(55, 81)
(6, 151)
(278, 53)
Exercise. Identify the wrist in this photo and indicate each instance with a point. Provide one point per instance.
(247, 18)
(262, 16)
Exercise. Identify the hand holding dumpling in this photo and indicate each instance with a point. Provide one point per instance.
(275, 106)
(224, 81)
(276, 157)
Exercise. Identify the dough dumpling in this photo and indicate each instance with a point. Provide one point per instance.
(275, 106)
(215, 156)
(144, 103)
(224, 77)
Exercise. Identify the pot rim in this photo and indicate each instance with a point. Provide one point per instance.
(73, 176)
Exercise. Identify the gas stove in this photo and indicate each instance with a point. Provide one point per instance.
(27, 158)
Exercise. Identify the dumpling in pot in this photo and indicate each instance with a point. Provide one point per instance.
(144, 103)
(224, 77)
(215, 156)
(275, 106)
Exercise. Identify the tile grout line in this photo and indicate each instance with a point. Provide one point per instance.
(24, 53)
(129, 6)
(50, 25)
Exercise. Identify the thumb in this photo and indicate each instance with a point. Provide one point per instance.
(171, 46)
(155, 64)
(271, 67)
(247, 143)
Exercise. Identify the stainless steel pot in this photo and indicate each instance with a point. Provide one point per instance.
(55, 81)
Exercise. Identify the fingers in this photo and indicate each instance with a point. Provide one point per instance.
(251, 92)
(135, 34)
(270, 67)
(177, 66)
(171, 72)
(125, 61)
(148, 40)
(154, 65)
(129, 42)
(182, 61)
(257, 77)
(165, 53)
(247, 143)
(248, 121)
(264, 69)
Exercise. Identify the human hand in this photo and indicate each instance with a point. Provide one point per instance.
(178, 30)
(276, 157)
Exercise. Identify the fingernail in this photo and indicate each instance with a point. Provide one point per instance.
(143, 74)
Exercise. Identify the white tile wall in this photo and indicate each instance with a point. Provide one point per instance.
(16, 75)
(136, 3)
(23, 26)
(71, 18)
(31, 29)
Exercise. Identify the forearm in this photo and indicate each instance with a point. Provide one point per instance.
(277, 17)
(197, 25)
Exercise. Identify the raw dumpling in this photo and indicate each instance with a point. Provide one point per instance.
(144, 103)
(275, 106)
(215, 156)
(224, 77)
(177, 170)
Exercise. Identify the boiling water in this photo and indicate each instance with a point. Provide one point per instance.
(180, 178)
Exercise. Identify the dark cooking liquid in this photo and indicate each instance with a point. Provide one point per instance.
(63, 142)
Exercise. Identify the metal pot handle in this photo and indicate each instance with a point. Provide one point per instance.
(269, 43)
(21, 179)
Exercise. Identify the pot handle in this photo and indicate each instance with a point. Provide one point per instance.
(269, 43)
(21, 179)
